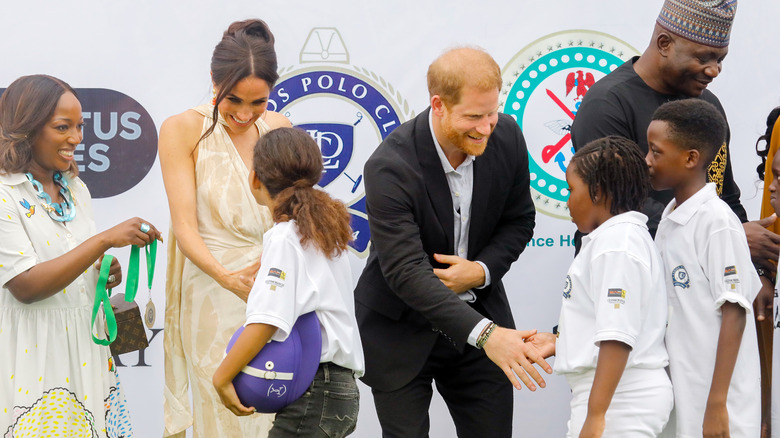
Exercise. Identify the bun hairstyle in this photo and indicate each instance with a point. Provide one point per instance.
(289, 164)
(246, 50)
(25, 107)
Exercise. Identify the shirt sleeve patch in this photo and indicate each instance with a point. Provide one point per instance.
(275, 278)
(730, 277)
(616, 296)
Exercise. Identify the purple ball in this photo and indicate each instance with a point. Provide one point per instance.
(282, 371)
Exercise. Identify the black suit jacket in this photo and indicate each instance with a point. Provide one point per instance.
(400, 303)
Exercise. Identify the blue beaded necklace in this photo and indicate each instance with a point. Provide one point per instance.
(59, 211)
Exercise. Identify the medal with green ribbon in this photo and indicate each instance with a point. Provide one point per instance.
(102, 294)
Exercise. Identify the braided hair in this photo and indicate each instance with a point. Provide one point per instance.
(289, 164)
(614, 169)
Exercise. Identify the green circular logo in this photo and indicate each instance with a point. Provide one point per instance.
(544, 86)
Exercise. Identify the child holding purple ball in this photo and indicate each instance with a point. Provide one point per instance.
(304, 268)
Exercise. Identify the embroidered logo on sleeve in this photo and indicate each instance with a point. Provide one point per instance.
(273, 275)
(680, 277)
(730, 277)
(616, 296)
(30, 208)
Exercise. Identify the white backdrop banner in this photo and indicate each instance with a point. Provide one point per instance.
(351, 72)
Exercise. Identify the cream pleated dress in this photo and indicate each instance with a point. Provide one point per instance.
(201, 316)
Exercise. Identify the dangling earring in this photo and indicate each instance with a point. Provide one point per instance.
(213, 96)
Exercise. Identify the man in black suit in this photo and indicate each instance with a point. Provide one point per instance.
(449, 208)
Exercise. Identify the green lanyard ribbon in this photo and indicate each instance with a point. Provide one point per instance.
(132, 270)
(131, 287)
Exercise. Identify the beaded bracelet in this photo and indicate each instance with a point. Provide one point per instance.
(483, 337)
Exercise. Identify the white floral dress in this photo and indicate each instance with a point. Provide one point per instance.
(54, 380)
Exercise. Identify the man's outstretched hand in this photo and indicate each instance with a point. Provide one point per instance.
(507, 349)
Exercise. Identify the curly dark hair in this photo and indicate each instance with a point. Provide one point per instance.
(613, 167)
(288, 162)
(771, 118)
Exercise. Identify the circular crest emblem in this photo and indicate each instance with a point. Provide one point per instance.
(544, 85)
(680, 277)
(348, 111)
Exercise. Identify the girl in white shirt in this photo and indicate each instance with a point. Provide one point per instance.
(304, 268)
(610, 340)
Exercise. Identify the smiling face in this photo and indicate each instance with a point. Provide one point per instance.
(689, 67)
(53, 146)
(467, 125)
(245, 103)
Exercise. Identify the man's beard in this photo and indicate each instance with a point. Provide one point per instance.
(463, 142)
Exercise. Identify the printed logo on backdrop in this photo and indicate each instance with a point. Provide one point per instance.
(348, 110)
(119, 145)
(544, 85)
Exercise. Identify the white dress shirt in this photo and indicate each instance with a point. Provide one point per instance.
(461, 183)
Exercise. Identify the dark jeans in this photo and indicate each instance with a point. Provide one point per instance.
(329, 409)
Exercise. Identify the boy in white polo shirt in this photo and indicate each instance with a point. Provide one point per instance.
(710, 280)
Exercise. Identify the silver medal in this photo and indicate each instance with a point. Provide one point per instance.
(149, 314)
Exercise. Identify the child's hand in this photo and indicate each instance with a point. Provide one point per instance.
(544, 343)
(227, 393)
(716, 420)
(507, 349)
(593, 427)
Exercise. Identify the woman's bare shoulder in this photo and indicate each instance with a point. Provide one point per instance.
(276, 120)
(182, 130)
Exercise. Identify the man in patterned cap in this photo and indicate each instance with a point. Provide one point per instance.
(689, 43)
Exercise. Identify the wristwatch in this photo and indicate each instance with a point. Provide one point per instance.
(764, 272)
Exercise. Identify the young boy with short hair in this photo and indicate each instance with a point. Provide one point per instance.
(711, 282)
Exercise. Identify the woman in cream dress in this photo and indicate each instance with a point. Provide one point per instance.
(217, 229)
(54, 380)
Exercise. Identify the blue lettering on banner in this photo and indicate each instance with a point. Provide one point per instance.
(333, 82)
